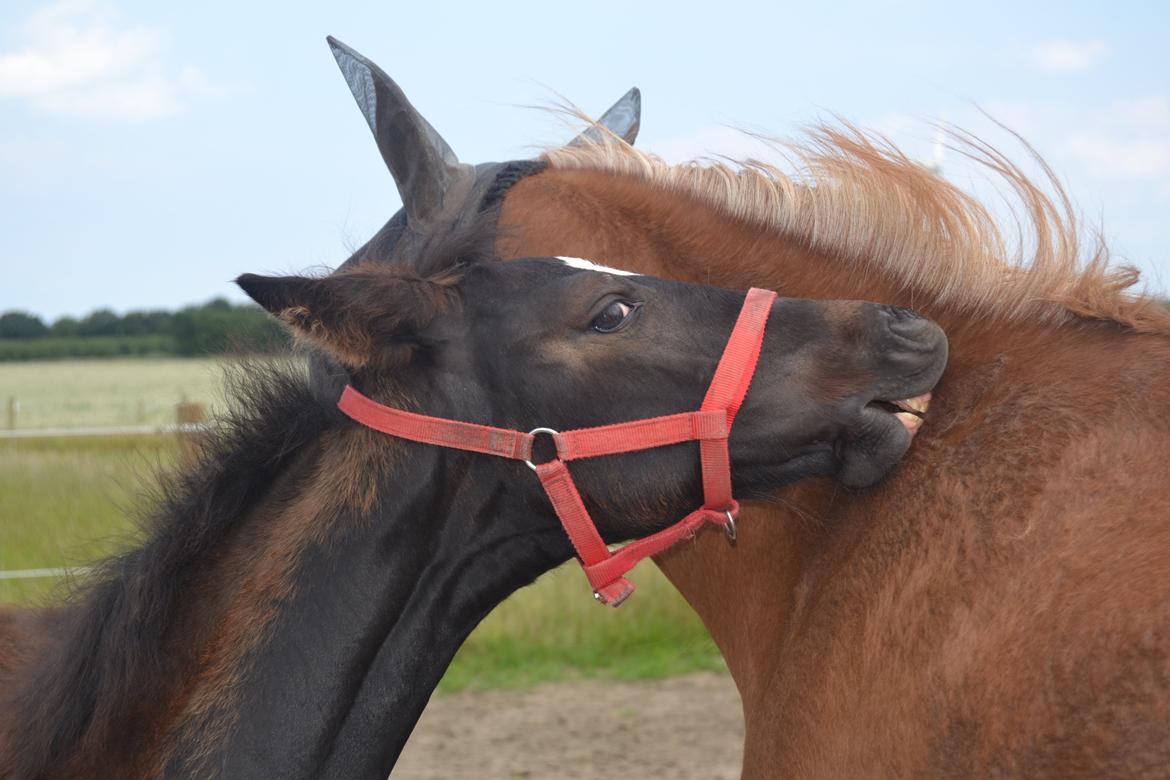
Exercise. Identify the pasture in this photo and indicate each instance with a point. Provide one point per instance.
(65, 502)
(77, 393)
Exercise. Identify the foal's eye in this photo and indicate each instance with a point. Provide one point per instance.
(615, 316)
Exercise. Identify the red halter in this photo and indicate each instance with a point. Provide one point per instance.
(711, 426)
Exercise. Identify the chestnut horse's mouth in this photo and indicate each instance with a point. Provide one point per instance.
(911, 412)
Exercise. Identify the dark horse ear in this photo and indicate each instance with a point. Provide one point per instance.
(368, 315)
(424, 167)
(623, 119)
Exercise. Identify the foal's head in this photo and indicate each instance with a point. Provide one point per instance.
(556, 343)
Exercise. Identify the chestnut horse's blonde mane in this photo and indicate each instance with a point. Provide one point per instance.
(857, 196)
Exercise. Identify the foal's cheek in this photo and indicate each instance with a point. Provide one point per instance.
(561, 358)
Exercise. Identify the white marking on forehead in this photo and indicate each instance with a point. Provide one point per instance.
(589, 265)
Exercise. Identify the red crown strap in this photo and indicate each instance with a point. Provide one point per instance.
(736, 367)
(728, 388)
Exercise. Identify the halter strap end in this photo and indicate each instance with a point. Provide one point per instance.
(615, 593)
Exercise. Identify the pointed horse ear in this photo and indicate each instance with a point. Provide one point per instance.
(428, 174)
(368, 315)
(623, 119)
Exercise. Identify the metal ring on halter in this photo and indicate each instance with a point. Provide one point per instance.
(533, 433)
(729, 529)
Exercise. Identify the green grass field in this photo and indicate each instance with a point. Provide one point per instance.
(63, 502)
(76, 393)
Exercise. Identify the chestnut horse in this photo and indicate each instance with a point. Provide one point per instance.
(1001, 604)
(301, 591)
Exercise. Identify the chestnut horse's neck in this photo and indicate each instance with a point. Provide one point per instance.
(632, 226)
(815, 556)
(289, 616)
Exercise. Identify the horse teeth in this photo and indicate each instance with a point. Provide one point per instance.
(919, 403)
(912, 421)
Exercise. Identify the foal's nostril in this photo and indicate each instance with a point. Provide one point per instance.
(900, 313)
(908, 324)
(910, 330)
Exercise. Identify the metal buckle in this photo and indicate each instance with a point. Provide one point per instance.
(533, 433)
(729, 529)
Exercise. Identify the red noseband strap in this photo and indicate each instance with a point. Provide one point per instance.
(710, 426)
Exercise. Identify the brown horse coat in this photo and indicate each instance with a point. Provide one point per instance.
(1001, 605)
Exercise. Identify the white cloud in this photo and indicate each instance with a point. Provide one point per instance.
(76, 58)
(1122, 142)
(1152, 111)
(1068, 56)
(1132, 159)
(70, 44)
(143, 98)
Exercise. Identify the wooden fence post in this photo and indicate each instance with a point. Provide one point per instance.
(189, 430)
(13, 408)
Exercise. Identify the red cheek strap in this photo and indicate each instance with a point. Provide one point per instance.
(710, 426)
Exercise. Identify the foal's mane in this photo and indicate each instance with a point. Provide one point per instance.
(858, 197)
(109, 647)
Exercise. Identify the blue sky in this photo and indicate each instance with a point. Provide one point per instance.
(151, 152)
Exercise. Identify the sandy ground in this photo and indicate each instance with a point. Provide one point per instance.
(685, 727)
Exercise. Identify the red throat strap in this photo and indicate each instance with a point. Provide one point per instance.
(710, 426)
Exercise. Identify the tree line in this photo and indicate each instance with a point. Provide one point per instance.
(215, 327)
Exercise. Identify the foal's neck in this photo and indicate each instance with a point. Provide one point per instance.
(304, 642)
(377, 615)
